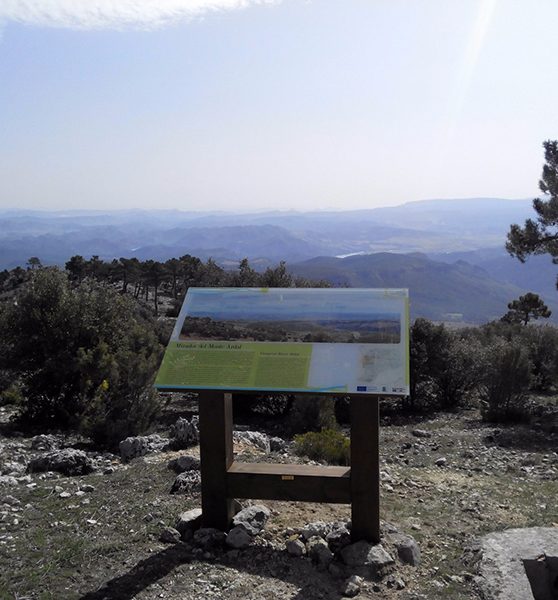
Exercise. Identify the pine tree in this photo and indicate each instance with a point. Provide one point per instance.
(540, 236)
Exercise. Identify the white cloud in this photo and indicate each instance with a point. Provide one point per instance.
(113, 14)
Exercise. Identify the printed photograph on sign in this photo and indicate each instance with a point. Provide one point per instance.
(276, 316)
(333, 340)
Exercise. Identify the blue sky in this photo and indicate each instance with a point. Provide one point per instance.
(293, 104)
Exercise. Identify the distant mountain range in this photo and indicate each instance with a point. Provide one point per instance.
(462, 267)
(435, 226)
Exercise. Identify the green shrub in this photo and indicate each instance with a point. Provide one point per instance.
(311, 413)
(506, 381)
(329, 445)
(85, 355)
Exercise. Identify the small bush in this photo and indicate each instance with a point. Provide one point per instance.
(329, 445)
(311, 413)
(506, 382)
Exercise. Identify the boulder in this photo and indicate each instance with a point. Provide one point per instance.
(352, 586)
(44, 443)
(368, 559)
(277, 444)
(170, 535)
(338, 537)
(295, 547)
(7, 480)
(238, 537)
(260, 440)
(68, 462)
(188, 522)
(186, 483)
(318, 550)
(209, 538)
(253, 518)
(407, 549)
(184, 433)
(318, 528)
(133, 447)
(184, 463)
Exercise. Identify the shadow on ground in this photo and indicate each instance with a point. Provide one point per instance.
(264, 562)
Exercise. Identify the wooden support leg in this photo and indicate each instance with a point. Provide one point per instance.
(365, 468)
(216, 454)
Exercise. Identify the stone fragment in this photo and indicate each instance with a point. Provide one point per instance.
(441, 462)
(352, 586)
(277, 444)
(10, 500)
(184, 433)
(87, 487)
(186, 483)
(318, 528)
(371, 559)
(338, 537)
(239, 538)
(407, 549)
(11, 468)
(170, 535)
(184, 463)
(395, 582)
(253, 518)
(68, 462)
(295, 547)
(421, 433)
(256, 438)
(208, 538)
(133, 447)
(188, 522)
(318, 550)
(44, 443)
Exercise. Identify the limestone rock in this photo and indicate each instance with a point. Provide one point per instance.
(184, 463)
(278, 444)
(318, 528)
(295, 547)
(185, 433)
(421, 433)
(238, 537)
(318, 550)
(253, 518)
(132, 447)
(68, 462)
(407, 549)
(370, 559)
(260, 440)
(170, 535)
(7, 480)
(188, 522)
(44, 443)
(338, 537)
(186, 483)
(208, 538)
(352, 586)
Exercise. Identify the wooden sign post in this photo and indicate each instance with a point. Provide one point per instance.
(327, 341)
(224, 479)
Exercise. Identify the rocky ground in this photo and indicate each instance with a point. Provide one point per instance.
(97, 531)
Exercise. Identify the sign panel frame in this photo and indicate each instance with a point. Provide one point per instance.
(290, 340)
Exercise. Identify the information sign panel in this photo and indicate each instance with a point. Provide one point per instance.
(324, 340)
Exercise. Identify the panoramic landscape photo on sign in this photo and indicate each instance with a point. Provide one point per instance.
(290, 339)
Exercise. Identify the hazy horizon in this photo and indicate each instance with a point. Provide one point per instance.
(248, 211)
(264, 105)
